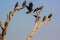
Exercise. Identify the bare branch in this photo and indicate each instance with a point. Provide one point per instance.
(36, 28)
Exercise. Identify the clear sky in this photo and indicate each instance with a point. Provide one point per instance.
(22, 24)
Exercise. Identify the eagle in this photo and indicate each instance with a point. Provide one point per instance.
(30, 8)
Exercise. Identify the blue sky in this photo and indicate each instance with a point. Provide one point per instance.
(22, 24)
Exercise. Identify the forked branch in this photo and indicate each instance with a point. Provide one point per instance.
(36, 28)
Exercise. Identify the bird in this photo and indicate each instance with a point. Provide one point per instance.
(38, 8)
(6, 24)
(16, 7)
(24, 4)
(44, 18)
(50, 15)
(37, 18)
(30, 8)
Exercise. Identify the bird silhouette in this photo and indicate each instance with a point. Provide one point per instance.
(50, 15)
(38, 8)
(16, 7)
(30, 8)
(24, 4)
(44, 18)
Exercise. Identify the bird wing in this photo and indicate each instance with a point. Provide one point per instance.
(35, 15)
(27, 7)
(36, 9)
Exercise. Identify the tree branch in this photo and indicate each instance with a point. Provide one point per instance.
(5, 26)
(36, 28)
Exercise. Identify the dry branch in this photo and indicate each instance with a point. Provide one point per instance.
(36, 28)
(5, 26)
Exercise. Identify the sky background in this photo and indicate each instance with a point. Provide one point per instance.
(22, 24)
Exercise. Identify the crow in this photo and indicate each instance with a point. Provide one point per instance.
(50, 15)
(30, 8)
(38, 8)
(44, 18)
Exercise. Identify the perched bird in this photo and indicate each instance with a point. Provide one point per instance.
(38, 8)
(16, 7)
(6, 24)
(24, 4)
(50, 15)
(30, 8)
(37, 18)
(44, 18)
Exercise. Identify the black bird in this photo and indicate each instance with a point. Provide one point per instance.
(16, 5)
(50, 15)
(44, 18)
(38, 8)
(37, 18)
(24, 4)
(30, 8)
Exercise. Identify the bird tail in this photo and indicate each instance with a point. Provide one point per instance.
(35, 15)
(27, 12)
